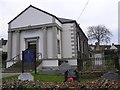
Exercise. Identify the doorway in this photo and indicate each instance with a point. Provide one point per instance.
(32, 45)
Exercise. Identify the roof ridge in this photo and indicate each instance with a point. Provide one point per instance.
(65, 20)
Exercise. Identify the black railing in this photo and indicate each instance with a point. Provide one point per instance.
(18, 58)
(14, 59)
(38, 55)
(102, 64)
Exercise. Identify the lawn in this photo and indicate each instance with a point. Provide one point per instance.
(51, 82)
(50, 78)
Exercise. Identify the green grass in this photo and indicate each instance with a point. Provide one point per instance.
(15, 77)
(50, 78)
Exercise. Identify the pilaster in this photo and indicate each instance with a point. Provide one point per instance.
(9, 45)
(54, 32)
(44, 42)
(18, 44)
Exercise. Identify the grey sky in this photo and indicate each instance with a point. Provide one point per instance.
(104, 12)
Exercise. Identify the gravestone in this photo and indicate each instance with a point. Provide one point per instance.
(64, 67)
(111, 76)
(26, 76)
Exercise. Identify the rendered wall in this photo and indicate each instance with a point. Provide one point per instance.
(50, 63)
(66, 41)
(31, 17)
(31, 34)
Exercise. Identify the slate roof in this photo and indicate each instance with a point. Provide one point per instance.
(118, 46)
(102, 47)
(3, 42)
(105, 47)
(64, 20)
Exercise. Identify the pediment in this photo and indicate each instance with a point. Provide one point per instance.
(31, 16)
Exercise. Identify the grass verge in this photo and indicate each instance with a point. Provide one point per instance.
(50, 78)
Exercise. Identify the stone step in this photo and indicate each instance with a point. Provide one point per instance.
(17, 67)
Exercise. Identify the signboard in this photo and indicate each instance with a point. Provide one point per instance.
(28, 56)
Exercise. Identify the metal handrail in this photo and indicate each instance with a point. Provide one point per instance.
(15, 58)
(38, 54)
(12, 59)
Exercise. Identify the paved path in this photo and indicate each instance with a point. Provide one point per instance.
(3, 75)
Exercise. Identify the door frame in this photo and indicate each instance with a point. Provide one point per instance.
(31, 39)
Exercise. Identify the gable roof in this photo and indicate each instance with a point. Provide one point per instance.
(61, 20)
(113, 47)
(38, 10)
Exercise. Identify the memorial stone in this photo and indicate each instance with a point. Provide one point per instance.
(111, 76)
(26, 76)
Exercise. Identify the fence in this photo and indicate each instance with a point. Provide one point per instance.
(99, 64)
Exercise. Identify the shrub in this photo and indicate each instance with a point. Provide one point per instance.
(96, 85)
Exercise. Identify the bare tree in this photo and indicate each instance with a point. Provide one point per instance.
(99, 34)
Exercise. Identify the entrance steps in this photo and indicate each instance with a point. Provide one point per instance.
(17, 67)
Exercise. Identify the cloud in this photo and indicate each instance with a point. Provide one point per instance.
(97, 11)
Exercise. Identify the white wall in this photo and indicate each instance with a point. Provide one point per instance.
(56, 21)
(31, 34)
(31, 17)
(22, 42)
(14, 45)
(49, 43)
(9, 64)
(98, 59)
(66, 41)
(72, 62)
(50, 63)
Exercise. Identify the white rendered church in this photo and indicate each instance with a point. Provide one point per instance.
(52, 37)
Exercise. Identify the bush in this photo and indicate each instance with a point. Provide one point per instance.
(96, 85)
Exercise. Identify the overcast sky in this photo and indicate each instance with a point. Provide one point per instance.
(97, 12)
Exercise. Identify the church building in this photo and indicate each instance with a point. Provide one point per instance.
(54, 39)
